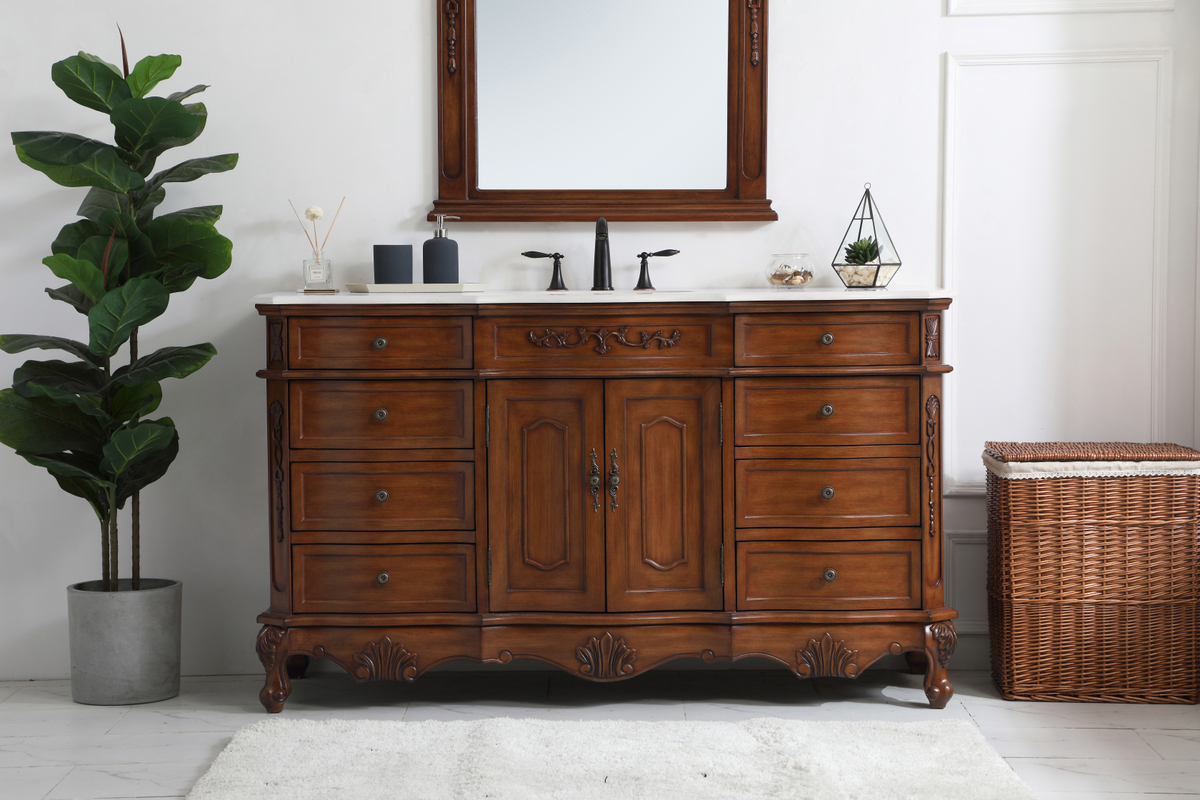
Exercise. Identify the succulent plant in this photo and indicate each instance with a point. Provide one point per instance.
(864, 251)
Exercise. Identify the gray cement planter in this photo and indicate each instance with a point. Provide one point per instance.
(124, 644)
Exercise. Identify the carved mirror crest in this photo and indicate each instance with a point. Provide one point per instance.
(558, 110)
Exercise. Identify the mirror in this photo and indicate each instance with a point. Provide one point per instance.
(575, 113)
(627, 109)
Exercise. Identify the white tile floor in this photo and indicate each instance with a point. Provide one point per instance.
(55, 749)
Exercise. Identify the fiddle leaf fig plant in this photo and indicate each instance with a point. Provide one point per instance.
(86, 420)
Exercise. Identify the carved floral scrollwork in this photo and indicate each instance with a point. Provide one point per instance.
(277, 474)
(267, 645)
(932, 406)
(555, 339)
(946, 638)
(385, 660)
(826, 659)
(754, 6)
(451, 9)
(932, 345)
(275, 353)
(605, 657)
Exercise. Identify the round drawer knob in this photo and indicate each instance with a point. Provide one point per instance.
(827, 493)
(829, 575)
(827, 410)
(382, 578)
(380, 414)
(826, 338)
(381, 496)
(380, 343)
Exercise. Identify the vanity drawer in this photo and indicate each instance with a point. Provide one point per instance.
(379, 343)
(795, 492)
(391, 415)
(827, 411)
(603, 341)
(804, 340)
(402, 496)
(795, 575)
(383, 579)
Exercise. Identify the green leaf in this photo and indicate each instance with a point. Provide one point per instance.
(180, 96)
(72, 236)
(113, 269)
(70, 295)
(104, 170)
(97, 496)
(98, 201)
(145, 122)
(140, 249)
(123, 309)
(169, 362)
(194, 168)
(20, 342)
(58, 149)
(197, 110)
(147, 470)
(77, 377)
(130, 445)
(209, 215)
(82, 274)
(40, 426)
(179, 241)
(151, 70)
(98, 60)
(180, 278)
(67, 465)
(140, 400)
(90, 82)
(147, 203)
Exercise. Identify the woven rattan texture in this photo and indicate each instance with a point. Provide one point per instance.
(1089, 451)
(1093, 588)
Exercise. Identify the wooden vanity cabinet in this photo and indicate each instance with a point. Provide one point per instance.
(605, 487)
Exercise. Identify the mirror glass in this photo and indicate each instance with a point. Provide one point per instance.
(619, 94)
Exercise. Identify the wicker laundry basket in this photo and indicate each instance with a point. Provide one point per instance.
(1094, 571)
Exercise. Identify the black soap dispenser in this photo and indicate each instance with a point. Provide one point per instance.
(440, 255)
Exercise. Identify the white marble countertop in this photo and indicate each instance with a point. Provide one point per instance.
(583, 296)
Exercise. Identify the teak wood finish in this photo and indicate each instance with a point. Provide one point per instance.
(744, 197)
(604, 488)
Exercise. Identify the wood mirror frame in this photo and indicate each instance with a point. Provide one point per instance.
(744, 197)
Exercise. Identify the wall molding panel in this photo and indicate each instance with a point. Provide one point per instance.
(977, 8)
(972, 584)
(957, 67)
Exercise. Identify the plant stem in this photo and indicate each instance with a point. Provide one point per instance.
(104, 555)
(135, 546)
(112, 546)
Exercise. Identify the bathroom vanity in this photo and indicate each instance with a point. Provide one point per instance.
(605, 481)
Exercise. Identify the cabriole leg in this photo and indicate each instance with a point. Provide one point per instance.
(272, 652)
(940, 641)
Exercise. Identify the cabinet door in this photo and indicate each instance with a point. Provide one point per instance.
(664, 537)
(546, 538)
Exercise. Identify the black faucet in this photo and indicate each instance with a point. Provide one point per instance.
(556, 281)
(644, 284)
(602, 266)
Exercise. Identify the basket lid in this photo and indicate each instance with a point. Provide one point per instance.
(1089, 451)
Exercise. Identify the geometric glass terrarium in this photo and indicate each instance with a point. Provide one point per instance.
(866, 259)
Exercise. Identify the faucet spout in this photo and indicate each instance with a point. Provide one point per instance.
(602, 265)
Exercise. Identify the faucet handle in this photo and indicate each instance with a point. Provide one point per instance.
(644, 283)
(556, 282)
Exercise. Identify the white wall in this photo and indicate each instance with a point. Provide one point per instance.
(1070, 228)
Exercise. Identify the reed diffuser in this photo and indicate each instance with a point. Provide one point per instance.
(318, 270)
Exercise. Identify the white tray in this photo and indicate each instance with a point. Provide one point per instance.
(416, 287)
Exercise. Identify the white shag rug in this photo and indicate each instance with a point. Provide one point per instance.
(507, 759)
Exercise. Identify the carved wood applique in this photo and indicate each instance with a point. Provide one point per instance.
(932, 345)
(277, 473)
(826, 659)
(267, 645)
(451, 36)
(932, 405)
(947, 640)
(754, 6)
(555, 339)
(275, 353)
(385, 661)
(605, 657)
